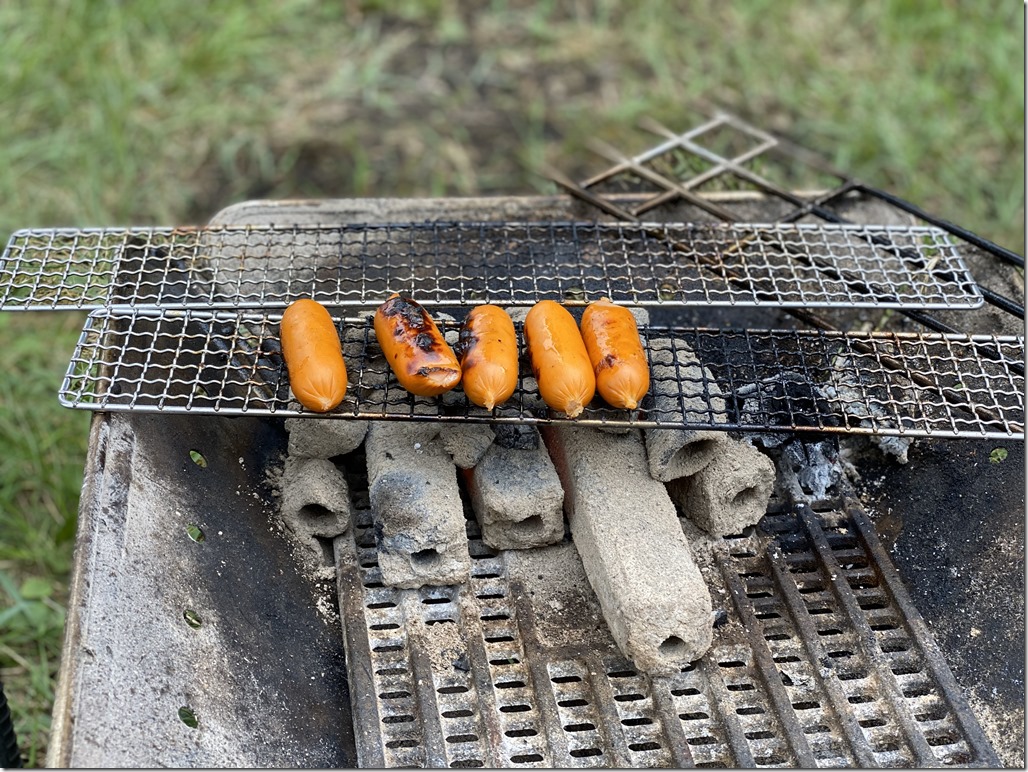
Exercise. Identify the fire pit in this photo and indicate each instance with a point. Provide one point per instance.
(207, 627)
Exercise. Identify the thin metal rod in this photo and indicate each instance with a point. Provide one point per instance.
(1004, 254)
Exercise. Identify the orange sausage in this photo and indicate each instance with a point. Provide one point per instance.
(615, 350)
(420, 357)
(488, 349)
(559, 359)
(314, 357)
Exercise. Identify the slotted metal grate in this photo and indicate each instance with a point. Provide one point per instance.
(229, 363)
(818, 661)
(792, 266)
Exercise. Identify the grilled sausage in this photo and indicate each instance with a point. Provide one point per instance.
(420, 357)
(559, 359)
(488, 348)
(615, 350)
(314, 357)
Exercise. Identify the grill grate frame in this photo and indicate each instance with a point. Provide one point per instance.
(819, 662)
(905, 384)
(467, 263)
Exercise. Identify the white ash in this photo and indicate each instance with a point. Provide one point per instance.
(443, 319)
(443, 642)
(518, 313)
(849, 396)
(554, 579)
(324, 437)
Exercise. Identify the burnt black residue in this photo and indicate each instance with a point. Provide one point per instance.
(465, 341)
(414, 323)
(409, 311)
(958, 541)
(426, 371)
(516, 436)
(425, 341)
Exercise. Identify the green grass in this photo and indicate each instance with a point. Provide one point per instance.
(139, 113)
(40, 476)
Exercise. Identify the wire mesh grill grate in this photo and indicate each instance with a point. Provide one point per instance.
(466, 263)
(230, 363)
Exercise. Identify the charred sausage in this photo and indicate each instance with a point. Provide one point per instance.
(313, 355)
(419, 356)
(559, 359)
(616, 352)
(488, 348)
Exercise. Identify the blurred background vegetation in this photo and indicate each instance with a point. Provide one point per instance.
(135, 113)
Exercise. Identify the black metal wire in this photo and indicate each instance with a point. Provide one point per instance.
(1004, 254)
(10, 756)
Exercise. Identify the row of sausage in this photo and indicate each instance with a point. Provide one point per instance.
(570, 363)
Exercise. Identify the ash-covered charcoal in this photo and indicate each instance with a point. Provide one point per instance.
(786, 400)
(682, 388)
(807, 471)
(466, 443)
(416, 505)
(849, 393)
(323, 438)
(517, 497)
(315, 503)
(730, 493)
(516, 436)
(635, 553)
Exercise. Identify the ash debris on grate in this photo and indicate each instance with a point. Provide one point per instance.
(807, 470)
(785, 400)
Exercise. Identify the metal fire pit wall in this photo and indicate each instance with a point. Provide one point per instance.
(197, 636)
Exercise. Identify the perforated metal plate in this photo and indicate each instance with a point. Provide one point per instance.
(791, 266)
(229, 363)
(818, 660)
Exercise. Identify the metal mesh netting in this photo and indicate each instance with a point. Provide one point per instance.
(229, 363)
(792, 266)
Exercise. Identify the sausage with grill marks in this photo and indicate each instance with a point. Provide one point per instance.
(559, 359)
(414, 347)
(616, 352)
(488, 348)
(313, 355)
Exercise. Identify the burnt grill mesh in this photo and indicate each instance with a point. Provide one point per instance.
(229, 363)
(791, 266)
(818, 660)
